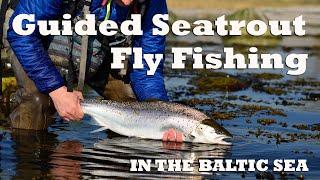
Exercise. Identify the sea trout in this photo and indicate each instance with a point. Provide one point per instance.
(149, 120)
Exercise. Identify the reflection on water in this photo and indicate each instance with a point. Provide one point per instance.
(110, 158)
(65, 160)
(30, 154)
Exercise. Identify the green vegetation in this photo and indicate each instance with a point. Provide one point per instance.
(9, 86)
(8, 82)
(246, 39)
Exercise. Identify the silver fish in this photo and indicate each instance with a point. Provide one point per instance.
(149, 120)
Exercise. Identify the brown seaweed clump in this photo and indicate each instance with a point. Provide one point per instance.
(223, 116)
(304, 82)
(257, 133)
(267, 89)
(266, 122)
(205, 84)
(283, 124)
(196, 101)
(301, 126)
(303, 136)
(313, 127)
(252, 109)
(268, 76)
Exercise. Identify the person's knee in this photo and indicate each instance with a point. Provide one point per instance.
(33, 112)
(41, 101)
(40, 98)
(32, 101)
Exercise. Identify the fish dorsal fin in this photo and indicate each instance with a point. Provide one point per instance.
(98, 130)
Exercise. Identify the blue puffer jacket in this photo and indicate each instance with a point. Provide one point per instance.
(34, 58)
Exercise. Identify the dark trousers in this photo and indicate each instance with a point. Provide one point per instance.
(33, 110)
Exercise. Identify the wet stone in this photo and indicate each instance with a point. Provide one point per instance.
(313, 96)
(265, 175)
(283, 124)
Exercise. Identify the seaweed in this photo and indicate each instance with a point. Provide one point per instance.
(267, 89)
(252, 109)
(301, 126)
(266, 122)
(223, 115)
(283, 124)
(268, 76)
(206, 84)
(304, 82)
(195, 101)
(313, 127)
(257, 133)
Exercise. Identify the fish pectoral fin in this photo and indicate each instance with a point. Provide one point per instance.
(191, 137)
(98, 130)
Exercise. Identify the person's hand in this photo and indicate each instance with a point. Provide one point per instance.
(67, 103)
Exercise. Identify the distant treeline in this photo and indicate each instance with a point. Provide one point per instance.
(233, 4)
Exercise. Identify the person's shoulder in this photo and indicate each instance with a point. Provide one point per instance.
(40, 7)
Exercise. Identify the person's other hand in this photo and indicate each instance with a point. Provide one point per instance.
(172, 136)
(67, 103)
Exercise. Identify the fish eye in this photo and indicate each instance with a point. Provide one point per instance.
(199, 130)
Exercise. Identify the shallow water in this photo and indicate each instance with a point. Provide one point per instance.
(69, 150)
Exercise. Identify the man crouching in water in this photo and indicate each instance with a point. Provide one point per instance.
(40, 81)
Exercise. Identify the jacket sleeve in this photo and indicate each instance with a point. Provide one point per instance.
(150, 87)
(30, 49)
